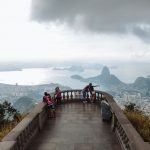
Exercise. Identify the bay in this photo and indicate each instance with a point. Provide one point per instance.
(36, 76)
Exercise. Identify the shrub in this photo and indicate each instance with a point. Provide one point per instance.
(5, 129)
(9, 117)
(7, 112)
(139, 120)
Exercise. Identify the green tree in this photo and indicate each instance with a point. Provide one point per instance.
(7, 112)
(132, 107)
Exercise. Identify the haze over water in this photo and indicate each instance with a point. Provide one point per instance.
(35, 76)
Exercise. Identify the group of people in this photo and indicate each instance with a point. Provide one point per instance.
(89, 89)
(52, 101)
(88, 94)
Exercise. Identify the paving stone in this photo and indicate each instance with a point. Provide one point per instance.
(77, 126)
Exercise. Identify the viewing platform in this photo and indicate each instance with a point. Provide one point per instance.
(77, 126)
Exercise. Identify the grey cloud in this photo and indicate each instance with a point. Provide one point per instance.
(144, 33)
(94, 15)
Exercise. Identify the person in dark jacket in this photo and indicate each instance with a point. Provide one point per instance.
(85, 92)
(89, 89)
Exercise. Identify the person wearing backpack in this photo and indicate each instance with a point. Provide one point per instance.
(50, 105)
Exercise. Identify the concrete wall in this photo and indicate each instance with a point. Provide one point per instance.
(19, 137)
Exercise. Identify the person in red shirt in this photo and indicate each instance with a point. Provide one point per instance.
(57, 95)
(45, 97)
(50, 104)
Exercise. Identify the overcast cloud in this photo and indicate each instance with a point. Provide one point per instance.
(106, 16)
(45, 30)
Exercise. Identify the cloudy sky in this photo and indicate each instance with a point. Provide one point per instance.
(97, 30)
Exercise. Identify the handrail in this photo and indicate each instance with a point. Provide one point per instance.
(128, 137)
(19, 137)
(76, 94)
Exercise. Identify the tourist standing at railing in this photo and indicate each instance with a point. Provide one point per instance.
(93, 93)
(89, 89)
(57, 95)
(85, 92)
(51, 105)
(46, 99)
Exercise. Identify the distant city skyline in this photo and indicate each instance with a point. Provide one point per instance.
(82, 30)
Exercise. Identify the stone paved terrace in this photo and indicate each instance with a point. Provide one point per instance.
(77, 126)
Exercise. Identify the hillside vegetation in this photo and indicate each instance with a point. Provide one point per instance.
(24, 104)
(9, 118)
(139, 120)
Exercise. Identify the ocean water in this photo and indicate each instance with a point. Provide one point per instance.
(35, 76)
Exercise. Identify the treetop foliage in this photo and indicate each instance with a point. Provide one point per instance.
(7, 112)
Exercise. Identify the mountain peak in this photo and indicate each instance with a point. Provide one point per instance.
(105, 71)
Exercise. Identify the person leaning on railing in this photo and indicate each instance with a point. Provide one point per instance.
(86, 90)
(85, 93)
(92, 92)
(50, 105)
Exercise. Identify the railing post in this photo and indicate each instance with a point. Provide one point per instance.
(71, 96)
(67, 95)
(101, 97)
(64, 96)
(113, 122)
